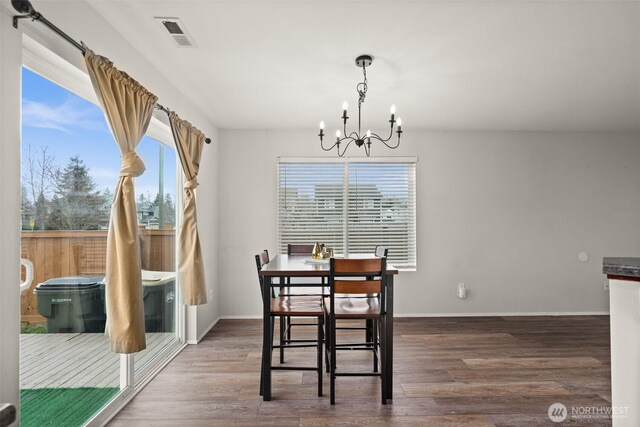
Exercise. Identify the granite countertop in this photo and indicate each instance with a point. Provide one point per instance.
(621, 266)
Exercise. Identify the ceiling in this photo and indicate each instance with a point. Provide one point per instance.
(447, 65)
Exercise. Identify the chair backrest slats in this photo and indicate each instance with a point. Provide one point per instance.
(357, 276)
(262, 259)
(364, 266)
(357, 286)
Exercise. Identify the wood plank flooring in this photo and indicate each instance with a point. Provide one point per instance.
(489, 371)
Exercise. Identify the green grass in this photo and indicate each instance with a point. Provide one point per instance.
(61, 407)
(26, 328)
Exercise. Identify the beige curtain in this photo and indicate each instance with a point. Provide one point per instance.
(128, 108)
(189, 143)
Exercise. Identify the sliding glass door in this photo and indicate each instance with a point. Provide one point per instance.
(156, 201)
(70, 165)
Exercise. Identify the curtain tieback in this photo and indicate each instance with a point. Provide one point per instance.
(191, 184)
(132, 165)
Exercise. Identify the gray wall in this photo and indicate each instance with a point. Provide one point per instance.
(506, 213)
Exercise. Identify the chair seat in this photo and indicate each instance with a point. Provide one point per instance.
(354, 308)
(297, 306)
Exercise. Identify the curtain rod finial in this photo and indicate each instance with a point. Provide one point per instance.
(22, 6)
(207, 140)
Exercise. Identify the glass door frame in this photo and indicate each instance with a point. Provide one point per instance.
(45, 62)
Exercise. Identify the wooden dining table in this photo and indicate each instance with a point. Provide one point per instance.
(290, 266)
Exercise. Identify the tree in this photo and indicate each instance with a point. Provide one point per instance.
(26, 208)
(38, 182)
(169, 213)
(77, 205)
(41, 212)
(164, 210)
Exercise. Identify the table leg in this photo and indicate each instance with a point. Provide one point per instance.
(388, 331)
(266, 339)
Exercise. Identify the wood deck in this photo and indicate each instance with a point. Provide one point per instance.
(77, 360)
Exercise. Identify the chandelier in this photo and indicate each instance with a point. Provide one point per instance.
(360, 139)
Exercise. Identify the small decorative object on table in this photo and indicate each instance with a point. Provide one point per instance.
(327, 253)
(316, 253)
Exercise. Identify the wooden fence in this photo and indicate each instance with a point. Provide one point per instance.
(80, 253)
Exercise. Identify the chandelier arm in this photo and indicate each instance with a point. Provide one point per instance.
(327, 149)
(391, 146)
(384, 141)
(379, 138)
(351, 135)
(345, 147)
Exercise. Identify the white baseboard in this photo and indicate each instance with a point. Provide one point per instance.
(498, 314)
(205, 332)
(507, 314)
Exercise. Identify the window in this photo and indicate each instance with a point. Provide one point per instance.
(349, 205)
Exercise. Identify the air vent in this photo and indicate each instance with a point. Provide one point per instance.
(177, 31)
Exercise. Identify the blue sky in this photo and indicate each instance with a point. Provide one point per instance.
(69, 125)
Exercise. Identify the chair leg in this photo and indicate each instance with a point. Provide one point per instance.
(282, 329)
(261, 373)
(289, 328)
(263, 354)
(333, 361)
(376, 347)
(327, 341)
(368, 335)
(383, 358)
(319, 355)
(273, 325)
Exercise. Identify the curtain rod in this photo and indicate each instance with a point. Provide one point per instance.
(25, 7)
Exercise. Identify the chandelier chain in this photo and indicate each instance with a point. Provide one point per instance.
(362, 87)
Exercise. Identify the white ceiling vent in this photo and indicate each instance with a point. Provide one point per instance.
(177, 31)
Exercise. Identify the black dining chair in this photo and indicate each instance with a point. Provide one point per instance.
(356, 291)
(370, 327)
(286, 327)
(285, 307)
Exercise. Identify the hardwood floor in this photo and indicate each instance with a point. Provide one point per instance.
(489, 371)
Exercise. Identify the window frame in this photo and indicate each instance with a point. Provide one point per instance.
(346, 161)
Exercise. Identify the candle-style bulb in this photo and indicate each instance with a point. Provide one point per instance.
(368, 133)
(393, 108)
(338, 134)
(345, 106)
(399, 122)
(321, 125)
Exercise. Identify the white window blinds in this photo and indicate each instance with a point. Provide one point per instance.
(349, 205)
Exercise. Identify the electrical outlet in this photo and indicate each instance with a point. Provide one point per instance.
(606, 285)
(462, 291)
